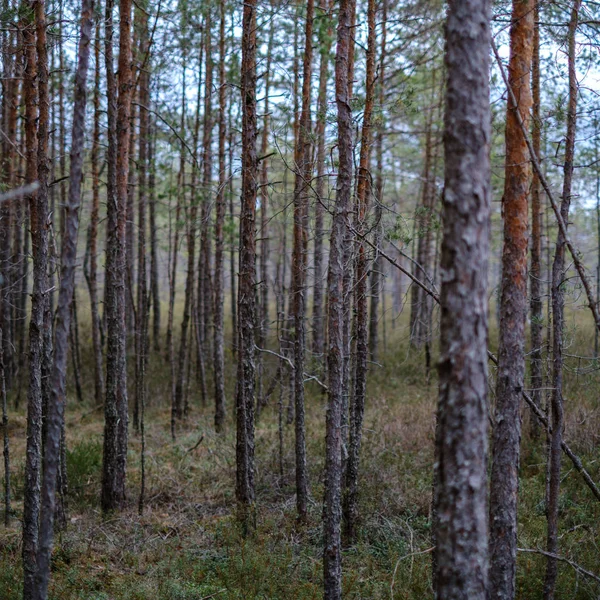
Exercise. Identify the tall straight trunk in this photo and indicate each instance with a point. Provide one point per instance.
(35, 146)
(219, 356)
(115, 407)
(192, 217)
(232, 275)
(263, 328)
(156, 323)
(513, 313)
(56, 404)
(9, 124)
(535, 272)
(12, 210)
(558, 318)
(141, 25)
(299, 259)
(170, 345)
(5, 438)
(363, 194)
(460, 509)
(348, 320)
(318, 338)
(142, 304)
(204, 275)
(247, 275)
(93, 233)
(332, 559)
(376, 273)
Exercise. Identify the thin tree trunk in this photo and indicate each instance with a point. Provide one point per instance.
(558, 308)
(318, 337)
(513, 313)
(363, 194)
(115, 407)
(153, 242)
(219, 355)
(6, 443)
(247, 276)
(204, 276)
(192, 217)
(263, 328)
(376, 273)
(332, 564)
(93, 232)
(170, 346)
(56, 405)
(460, 510)
(38, 212)
(303, 179)
(535, 276)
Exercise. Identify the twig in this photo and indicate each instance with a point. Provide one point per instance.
(195, 445)
(427, 551)
(575, 566)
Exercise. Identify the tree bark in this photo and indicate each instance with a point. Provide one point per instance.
(558, 318)
(5, 438)
(56, 404)
(363, 194)
(92, 277)
(332, 565)
(460, 511)
(325, 37)
(247, 275)
(303, 180)
(38, 212)
(219, 313)
(513, 313)
(376, 273)
(535, 275)
(115, 407)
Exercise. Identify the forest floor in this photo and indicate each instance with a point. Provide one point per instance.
(187, 546)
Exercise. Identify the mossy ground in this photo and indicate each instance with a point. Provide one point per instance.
(187, 546)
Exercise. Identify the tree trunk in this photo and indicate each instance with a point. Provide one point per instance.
(38, 212)
(325, 38)
(303, 179)
(460, 511)
(115, 407)
(219, 356)
(56, 404)
(6, 443)
(93, 232)
(376, 273)
(191, 218)
(332, 564)
(247, 275)
(204, 276)
(153, 242)
(170, 345)
(513, 313)
(363, 194)
(535, 275)
(558, 318)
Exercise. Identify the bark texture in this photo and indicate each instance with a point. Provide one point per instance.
(332, 514)
(56, 403)
(115, 407)
(247, 276)
(460, 522)
(513, 313)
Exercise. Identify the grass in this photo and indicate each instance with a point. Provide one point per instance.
(187, 545)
